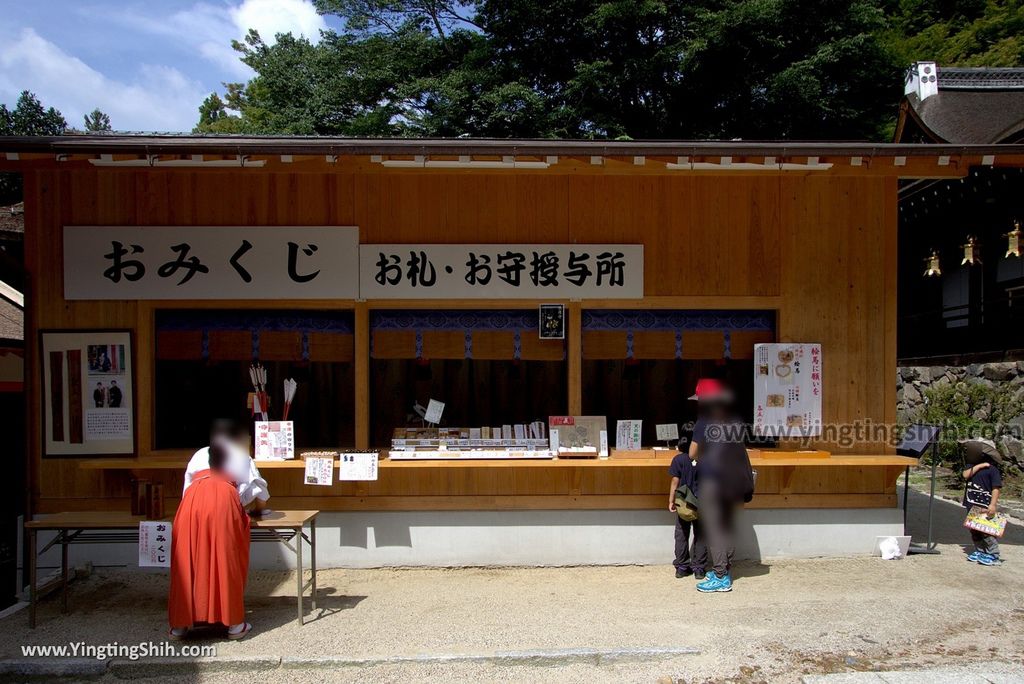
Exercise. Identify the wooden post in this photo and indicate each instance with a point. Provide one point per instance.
(574, 353)
(362, 375)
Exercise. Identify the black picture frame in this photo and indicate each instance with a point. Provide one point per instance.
(551, 322)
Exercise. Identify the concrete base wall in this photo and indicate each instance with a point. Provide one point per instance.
(525, 538)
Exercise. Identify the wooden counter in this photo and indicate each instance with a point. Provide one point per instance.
(785, 480)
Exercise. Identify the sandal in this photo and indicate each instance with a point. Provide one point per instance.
(176, 637)
(241, 634)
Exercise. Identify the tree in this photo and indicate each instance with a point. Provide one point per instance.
(28, 117)
(957, 32)
(775, 69)
(96, 122)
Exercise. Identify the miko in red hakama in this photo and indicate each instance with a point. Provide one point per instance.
(209, 554)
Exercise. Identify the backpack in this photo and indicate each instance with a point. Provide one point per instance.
(686, 503)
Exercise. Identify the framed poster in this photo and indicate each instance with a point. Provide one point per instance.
(88, 392)
(787, 390)
(551, 325)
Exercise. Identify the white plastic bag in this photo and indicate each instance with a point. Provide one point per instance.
(890, 548)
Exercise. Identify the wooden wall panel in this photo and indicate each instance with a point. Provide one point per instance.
(823, 247)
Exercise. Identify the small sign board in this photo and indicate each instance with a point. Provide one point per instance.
(319, 471)
(434, 411)
(357, 466)
(275, 440)
(154, 544)
(667, 432)
(627, 435)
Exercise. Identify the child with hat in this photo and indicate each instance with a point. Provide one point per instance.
(984, 482)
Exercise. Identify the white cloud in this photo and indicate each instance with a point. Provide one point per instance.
(209, 29)
(160, 98)
(271, 17)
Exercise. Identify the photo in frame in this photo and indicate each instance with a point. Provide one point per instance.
(88, 392)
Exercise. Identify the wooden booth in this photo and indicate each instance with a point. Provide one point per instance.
(724, 246)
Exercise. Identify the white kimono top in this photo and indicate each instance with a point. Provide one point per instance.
(240, 468)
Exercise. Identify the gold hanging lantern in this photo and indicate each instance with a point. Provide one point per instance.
(1013, 241)
(971, 249)
(931, 261)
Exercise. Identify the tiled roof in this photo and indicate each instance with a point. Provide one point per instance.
(980, 78)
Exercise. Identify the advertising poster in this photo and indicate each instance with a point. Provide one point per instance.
(787, 390)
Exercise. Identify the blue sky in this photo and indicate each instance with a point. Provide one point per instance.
(147, 64)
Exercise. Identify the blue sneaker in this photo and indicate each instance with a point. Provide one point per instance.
(989, 559)
(713, 583)
(973, 556)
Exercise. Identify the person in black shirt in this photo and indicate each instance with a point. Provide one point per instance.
(114, 395)
(726, 480)
(984, 483)
(684, 472)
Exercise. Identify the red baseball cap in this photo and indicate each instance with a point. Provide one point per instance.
(709, 388)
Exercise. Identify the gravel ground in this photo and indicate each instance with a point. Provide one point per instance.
(784, 618)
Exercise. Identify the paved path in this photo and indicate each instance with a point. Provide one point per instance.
(993, 673)
(785, 620)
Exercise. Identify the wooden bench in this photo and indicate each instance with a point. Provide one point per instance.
(109, 527)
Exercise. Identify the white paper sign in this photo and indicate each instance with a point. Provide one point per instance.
(154, 544)
(603, 443)
(275, 440)
(319, 471)
(787, 390)
(211, 262)
(667, 431)
(434, 410)
(358, 466)
(627, 435)
(553, 437)
(496, 271)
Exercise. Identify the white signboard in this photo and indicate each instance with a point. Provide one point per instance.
(358, 466)
(434, 410)
(210, 262)
(319, 471)
(275, 440)
(627, 435)
(496, 271)
(667, 431)
(787, 390)
(154, 544)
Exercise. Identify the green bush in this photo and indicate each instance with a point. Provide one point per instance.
(968, 409)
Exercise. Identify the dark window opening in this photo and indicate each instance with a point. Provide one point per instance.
(202, 373)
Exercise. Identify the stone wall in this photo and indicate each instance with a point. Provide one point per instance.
(912, 381)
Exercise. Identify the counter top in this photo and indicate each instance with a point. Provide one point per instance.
(657, 459)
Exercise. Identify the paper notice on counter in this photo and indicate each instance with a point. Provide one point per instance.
(474, 433)
(154, 544)
(603, 442)
(667, 432)
(554, 441)
(275, 440)
(319, 471)
(357, 466)
(627, 435)
(434, 410)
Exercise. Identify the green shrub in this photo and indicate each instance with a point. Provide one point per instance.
(968, 409)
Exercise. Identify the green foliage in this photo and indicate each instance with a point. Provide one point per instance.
(957, 32)
(97, 122)
(574, 68)
(28, 117)
(968, 409)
